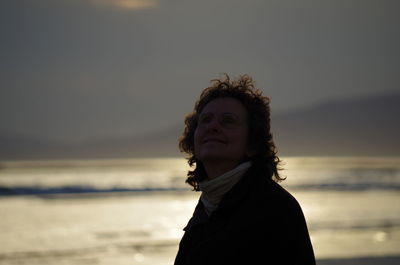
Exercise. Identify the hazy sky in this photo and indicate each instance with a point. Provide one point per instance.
(74, 69)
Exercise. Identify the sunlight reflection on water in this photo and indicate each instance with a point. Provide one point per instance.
(145, 227)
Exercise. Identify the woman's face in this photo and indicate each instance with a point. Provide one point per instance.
(221, 133)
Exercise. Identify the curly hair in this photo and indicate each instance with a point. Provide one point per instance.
(260, 137)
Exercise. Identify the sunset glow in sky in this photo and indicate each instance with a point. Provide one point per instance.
(127, 4)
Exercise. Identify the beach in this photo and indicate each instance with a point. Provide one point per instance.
(143, 224)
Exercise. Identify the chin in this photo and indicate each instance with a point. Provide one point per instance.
(213, 156)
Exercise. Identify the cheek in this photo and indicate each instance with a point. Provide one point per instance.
(196, 138)
(241, 139)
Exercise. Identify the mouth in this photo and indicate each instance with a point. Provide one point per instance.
(214, 140)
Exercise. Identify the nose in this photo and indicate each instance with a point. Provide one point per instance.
(214, 125)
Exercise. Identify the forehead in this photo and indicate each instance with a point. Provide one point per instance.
(224, 105)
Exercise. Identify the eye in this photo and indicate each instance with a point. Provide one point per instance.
(204, 119)
(229, 120)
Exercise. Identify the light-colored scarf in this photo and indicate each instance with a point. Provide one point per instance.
(213, 190)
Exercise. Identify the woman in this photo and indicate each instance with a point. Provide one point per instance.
(243, 215)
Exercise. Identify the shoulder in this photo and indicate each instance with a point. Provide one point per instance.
(273, 199)
(275, 207)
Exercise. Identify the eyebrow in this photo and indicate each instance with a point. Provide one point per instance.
(208, 113)
(231, 113)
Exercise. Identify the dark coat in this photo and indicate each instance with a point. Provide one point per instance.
(257, 222)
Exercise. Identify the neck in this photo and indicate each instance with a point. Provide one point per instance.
(217, 168)
(213, 190)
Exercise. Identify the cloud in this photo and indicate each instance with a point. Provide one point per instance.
(127, 4)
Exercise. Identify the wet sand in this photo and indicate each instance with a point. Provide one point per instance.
(389, 260)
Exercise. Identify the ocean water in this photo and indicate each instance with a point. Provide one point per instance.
(132, 211)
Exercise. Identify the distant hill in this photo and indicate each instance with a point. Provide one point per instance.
(367, 126)
(364, 126)
(158, 144)
(24, 147)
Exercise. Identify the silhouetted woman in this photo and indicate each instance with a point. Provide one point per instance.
(243, 215)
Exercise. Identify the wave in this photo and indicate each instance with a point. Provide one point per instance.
(18, 257)
(347, 186)
(76, 189)
(25, 190)
(378, 224)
